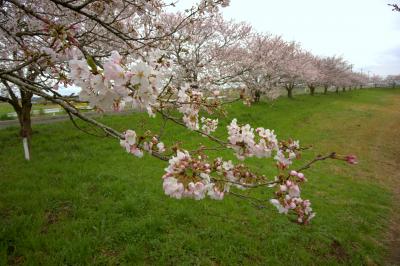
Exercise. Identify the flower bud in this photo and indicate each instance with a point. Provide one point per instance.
(293, 173)
(351, 159)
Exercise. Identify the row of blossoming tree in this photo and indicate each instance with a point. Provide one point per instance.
(213, 52)
(132, 53)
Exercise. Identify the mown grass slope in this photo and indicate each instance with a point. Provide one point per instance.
(83, 200)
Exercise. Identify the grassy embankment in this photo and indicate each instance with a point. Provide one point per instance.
(83, 200)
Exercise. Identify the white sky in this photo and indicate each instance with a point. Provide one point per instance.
(364, 32)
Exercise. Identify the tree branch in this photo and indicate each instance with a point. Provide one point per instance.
(318, 158)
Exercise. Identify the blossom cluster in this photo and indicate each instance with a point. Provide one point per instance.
(63, 41)
(237, 175)
(136, 146)
(242, 140)
(191, 177)
(190, 102)
(116, 85)
(209, 125)
(287, 152)
(288, 198)
(188, 177)
(195, 177)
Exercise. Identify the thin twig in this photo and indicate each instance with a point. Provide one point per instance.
(318, 158)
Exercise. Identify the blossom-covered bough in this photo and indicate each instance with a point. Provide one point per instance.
(116, 52)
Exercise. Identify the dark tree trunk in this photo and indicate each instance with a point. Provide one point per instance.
(24, 117)
(344, 89)
(256, 96)
(337, 90)
(312, 90)
(325, 89)
(289, 91)
(25, 120)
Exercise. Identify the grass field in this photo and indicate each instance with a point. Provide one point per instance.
(7, 108)
(83, 200)
(38, 109)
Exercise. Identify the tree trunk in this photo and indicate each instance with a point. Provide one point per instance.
(257, 95)
(24, 117)
(289, 91)
(23, 111)
(344, 89)
(25, 120)
(337, 90)
(312, 90)
(23, 108)
(325, 89)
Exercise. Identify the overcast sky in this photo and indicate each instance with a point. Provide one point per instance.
(364, 32)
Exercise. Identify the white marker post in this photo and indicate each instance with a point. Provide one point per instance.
(26, 149)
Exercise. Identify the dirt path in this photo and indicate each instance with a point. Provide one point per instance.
(389, 167)
(385, 149)
(375, 137)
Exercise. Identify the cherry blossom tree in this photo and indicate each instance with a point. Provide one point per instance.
(330, 71)
(312, 74)
(392, 80)
(342, 75)
(376, 80)
(263, 60)
(335, 71)
(39, 37)
(293, 70)
(358, 80)
(204, 52)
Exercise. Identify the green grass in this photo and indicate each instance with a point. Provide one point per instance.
(6, 108)
(83, 200)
